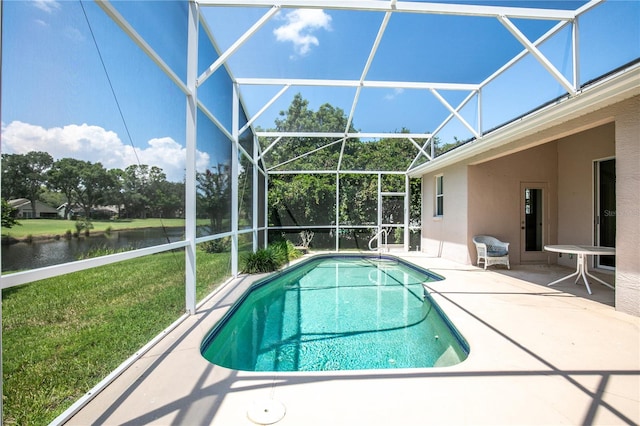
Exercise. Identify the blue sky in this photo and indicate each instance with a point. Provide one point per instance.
(56, 96)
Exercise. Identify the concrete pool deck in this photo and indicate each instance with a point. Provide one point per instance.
(539, 355)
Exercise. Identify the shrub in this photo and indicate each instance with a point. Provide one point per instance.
(262, 260)
(271, 258)
(292, 251)
(84, 226)
(398, 235)
(221, 245)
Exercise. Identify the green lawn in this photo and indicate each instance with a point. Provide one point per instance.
(62, 335)
(53, 227)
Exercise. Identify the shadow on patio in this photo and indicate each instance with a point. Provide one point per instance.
(538, 355)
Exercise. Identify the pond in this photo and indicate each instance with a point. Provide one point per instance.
(38, 254)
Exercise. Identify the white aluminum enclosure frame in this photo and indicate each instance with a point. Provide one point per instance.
(503, 14)
(196, 24)
(389, 7)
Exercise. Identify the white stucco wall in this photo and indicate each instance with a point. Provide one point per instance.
(576, 156)
(495, 195)
(446, 236)
(613, 130)
(628, 208)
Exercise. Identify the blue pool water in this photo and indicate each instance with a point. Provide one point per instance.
(337, 313)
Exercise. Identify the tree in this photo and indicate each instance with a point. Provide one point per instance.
(301, 200)
(8, 215)
(132, 182)
(299, 118)
(65, 176)
(25, 175)
(145, 191)
(309, 199)
(116, 195)
(214, 196)
(95, 182)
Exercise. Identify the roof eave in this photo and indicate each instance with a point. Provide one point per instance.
(610, 90)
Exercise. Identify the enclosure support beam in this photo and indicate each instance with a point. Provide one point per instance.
(405, 7)
(407, 198)
(379, 205)
(337, 211)
(455, 112)
(537, 54)
(235, 162)
(575, 34)
(372, 54)
(191, 147)
(266, 209)
(269, 147)
(254, 192)
(264, 108)
(238, 43)
(344, 135)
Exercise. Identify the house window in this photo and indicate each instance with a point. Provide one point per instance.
(439, 202)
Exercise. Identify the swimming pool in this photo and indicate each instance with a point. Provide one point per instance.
(337, 312)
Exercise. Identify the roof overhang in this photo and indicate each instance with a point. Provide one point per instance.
(613, 89)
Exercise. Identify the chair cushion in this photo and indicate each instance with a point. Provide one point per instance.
(494, 251)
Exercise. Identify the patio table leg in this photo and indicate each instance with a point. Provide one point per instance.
(596, 278)
(566, 278)
(580, 272)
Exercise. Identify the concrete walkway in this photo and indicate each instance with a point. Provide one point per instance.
(539, 355)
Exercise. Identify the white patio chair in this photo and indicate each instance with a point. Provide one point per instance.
(491, 251)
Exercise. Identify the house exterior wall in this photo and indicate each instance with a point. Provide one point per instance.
(628, 208)
(25, 211)
(495, 199)
(446, 236)
(576, 156)
(479, 192)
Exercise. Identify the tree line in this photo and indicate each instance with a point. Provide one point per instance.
(310, 199)
(139, 191)
(142, 191)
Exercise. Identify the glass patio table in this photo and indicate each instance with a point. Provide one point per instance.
(582, 269)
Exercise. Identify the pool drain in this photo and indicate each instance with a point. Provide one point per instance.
(266, 411)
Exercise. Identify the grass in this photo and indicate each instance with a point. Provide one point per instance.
(62, 335)
(58, 227)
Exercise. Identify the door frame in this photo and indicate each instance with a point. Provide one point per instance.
(596, 209)
(534, 256)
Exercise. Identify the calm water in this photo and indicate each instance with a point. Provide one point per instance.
(337, 313)
(34, 255)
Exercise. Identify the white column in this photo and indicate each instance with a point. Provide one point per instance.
(235, 163)
(407, 200)
(575, 34)
(337, 211)
(190, 168)
(254, 192)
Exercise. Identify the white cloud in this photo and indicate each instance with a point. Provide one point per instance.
(47, 5)
(74, 34)
(396, 92)
(299, 27)
(95, 144)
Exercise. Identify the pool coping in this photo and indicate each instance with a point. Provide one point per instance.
(553, 369)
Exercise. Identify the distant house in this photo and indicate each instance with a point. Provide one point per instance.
(25, 210)
(76, 211)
